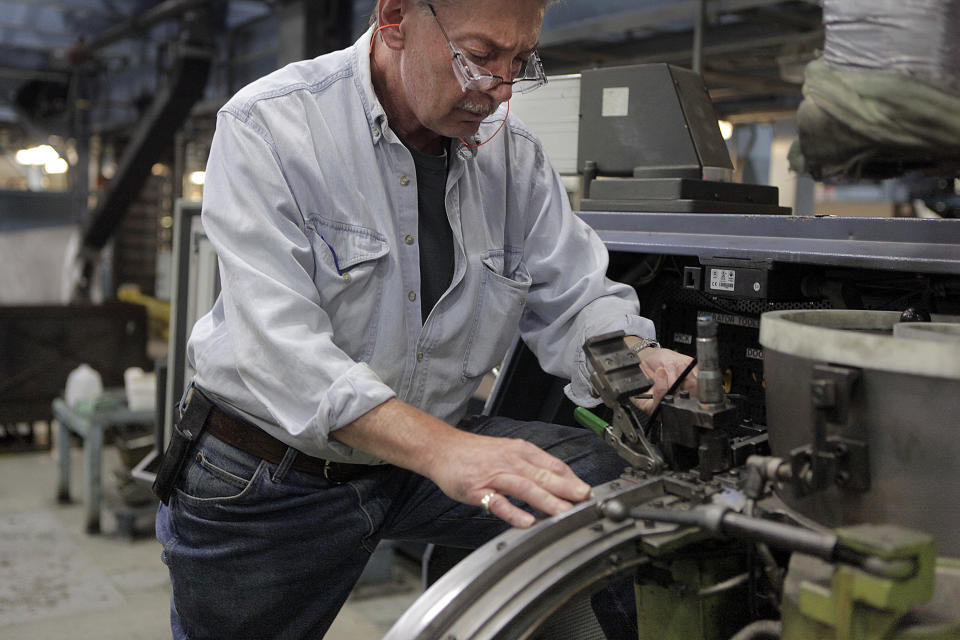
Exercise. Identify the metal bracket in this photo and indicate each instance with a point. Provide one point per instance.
(616, 377)
(834, 458)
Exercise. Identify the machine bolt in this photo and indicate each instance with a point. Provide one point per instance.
(598, 527)
(501, 546)
(668, 398)
(684, 394)
(842, 479)
(614, 558)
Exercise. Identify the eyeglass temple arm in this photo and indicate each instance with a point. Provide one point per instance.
(452, 48)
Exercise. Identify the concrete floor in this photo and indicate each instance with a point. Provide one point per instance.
(57, 582)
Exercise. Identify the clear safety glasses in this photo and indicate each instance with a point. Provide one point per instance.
(527, 74)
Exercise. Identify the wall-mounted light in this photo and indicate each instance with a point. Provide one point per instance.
(198, 178)
(726, 128)
(57, 165)
(37, 156)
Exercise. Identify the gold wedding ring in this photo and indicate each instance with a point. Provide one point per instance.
(485, 502)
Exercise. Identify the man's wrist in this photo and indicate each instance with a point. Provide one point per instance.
(644, 343)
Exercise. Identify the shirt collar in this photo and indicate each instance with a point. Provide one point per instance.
(376, 116)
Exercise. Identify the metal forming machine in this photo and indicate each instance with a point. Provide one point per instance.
(836, 521)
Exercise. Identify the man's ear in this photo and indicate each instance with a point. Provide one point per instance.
(391, 12)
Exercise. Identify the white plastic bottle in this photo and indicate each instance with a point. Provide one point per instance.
(83, 385)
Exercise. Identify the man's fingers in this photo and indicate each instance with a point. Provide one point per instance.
(528, 491)
(553, 475)
(499, 506)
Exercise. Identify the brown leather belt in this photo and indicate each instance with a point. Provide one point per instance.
(257, 442)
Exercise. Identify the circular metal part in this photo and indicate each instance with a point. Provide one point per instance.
(507, 588)
(902, 407)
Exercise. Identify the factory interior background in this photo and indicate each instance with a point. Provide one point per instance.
(107, 111)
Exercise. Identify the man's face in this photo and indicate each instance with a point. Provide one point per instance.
(491, 33)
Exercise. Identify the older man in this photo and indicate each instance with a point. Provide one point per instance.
(383, 229)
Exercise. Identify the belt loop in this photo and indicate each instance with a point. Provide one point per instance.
(288, 457)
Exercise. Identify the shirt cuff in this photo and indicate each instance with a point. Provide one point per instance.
(578, 390)
(350, 396)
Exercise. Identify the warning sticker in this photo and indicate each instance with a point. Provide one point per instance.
(615, 102)
(722, 279)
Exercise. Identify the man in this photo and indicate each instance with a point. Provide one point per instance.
(382, 234)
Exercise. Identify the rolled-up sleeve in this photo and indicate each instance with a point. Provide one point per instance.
(280, 335)
(571, 299)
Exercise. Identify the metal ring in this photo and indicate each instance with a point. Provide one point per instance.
(485, 502)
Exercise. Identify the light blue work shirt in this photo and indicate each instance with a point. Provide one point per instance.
(311, 203)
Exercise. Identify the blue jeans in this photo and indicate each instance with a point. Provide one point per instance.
(256, 550)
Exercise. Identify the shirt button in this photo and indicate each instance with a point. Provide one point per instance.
(346, 277)
(412, 296)
(523, 301)
(408, 239)
(404, 180)
(376, 131)
(419, 356)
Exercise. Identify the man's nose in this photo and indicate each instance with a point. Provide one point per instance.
(502, 92)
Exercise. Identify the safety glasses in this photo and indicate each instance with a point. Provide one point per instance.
(527, 74)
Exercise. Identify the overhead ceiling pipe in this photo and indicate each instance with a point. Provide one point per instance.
(154, 15)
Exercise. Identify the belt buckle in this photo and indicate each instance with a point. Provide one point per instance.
(326, 470)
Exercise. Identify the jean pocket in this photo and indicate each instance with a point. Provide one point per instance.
(213, 477)
(501, 303)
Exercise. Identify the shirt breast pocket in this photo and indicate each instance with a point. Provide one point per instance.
(351, 267)
(500, 304)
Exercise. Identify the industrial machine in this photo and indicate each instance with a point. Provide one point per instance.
(809, 489)
(835, 521)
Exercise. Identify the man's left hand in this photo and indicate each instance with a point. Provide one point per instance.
(663, 366)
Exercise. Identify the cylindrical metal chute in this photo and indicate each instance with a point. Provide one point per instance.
(905, 404)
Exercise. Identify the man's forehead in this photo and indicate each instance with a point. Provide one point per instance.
(495, 23)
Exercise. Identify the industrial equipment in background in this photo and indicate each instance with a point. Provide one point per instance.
(649, 141)
(884, 97)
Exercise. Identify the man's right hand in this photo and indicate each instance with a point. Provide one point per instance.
(467, 466)
(473, 466)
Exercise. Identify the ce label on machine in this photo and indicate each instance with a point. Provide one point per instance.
(723, 279)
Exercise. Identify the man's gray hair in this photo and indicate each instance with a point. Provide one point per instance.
(374, 15)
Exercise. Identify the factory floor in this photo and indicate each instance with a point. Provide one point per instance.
(58, 582)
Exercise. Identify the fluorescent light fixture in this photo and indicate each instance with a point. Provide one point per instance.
(198, 178)
(726, 128)
(57, 165)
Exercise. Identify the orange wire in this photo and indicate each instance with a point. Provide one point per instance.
(474, 146)
(386, 26)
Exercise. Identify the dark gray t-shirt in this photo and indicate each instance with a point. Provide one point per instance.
(436, 237)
